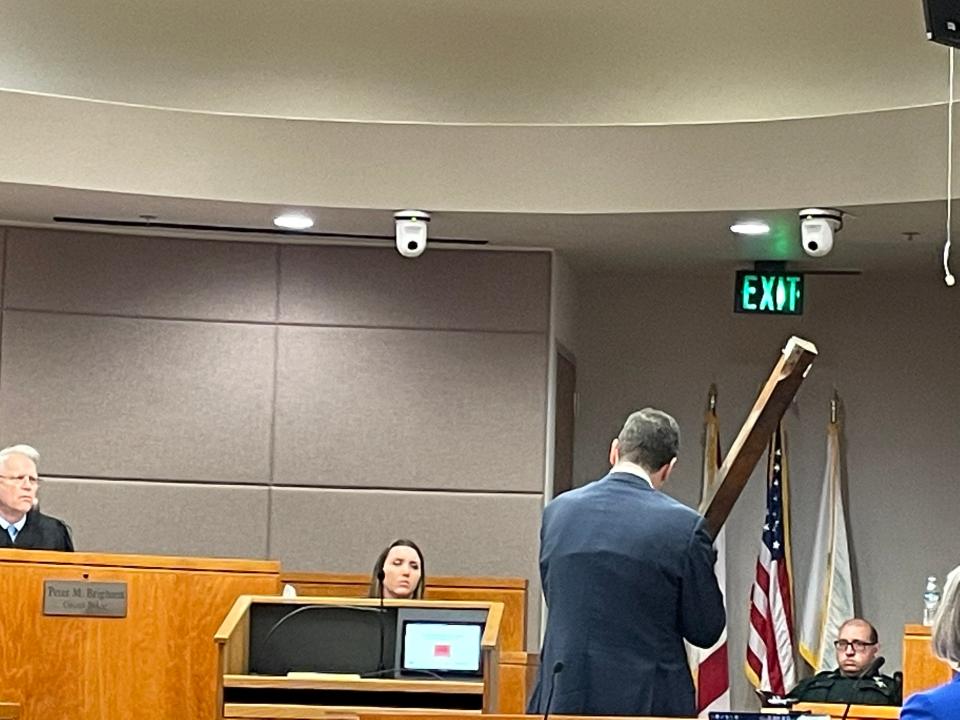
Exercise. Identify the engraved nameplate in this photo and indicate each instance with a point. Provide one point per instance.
(79, 597)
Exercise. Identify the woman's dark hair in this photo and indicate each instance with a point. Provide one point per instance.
(375, 580)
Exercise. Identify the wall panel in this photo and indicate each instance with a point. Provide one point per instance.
(403, 409)
(159, 518)
(123, 275)
(373, 287)
(131, 398)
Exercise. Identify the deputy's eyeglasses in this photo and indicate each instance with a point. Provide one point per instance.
(857, 645)
(20, 479)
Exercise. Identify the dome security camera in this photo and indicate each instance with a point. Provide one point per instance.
(411, 232)
(817, 227)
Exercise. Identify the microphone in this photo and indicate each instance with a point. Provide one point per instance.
(557, 669)
(869, 670)
(383, 630)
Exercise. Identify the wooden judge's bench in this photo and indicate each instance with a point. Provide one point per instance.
(158, 660)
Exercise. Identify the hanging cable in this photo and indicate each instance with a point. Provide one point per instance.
(948, 277)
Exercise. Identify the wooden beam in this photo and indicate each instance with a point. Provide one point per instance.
(761, 423)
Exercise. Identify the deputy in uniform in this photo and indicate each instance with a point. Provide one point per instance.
(857, 680)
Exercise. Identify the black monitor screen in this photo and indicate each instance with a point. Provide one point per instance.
(320, 638)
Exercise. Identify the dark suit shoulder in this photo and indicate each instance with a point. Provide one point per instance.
(684, 520)
(684, 511)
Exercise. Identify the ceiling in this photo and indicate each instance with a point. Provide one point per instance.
(479, 61)
(873, 238)
(625, 134)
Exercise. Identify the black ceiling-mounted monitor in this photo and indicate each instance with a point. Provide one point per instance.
(943, 21)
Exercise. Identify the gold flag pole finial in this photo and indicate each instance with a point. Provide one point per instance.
(834, 406)
(712, 398)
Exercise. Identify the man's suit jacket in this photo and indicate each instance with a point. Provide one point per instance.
(941, 703)
(40, 532)
(627, 574)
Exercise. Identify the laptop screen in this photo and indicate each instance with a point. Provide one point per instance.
(441, 647)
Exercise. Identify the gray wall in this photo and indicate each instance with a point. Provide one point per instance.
(295, 402)
(891, 347)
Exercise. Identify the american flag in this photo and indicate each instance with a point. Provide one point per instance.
(770, 647)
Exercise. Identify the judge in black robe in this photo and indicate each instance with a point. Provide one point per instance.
(40, 532)
(22, 525)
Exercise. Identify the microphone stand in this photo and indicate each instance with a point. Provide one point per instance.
(867, 671)
(383, 630)
(557, 669)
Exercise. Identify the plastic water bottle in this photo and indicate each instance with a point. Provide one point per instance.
(931, 600)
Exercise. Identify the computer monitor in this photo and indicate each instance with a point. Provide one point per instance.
(441, 647)
(439, 642)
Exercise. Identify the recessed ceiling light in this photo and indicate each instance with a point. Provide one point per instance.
(293, 221)
(750, 227)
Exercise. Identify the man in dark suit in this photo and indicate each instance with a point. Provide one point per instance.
(627, 575)
(21, 524)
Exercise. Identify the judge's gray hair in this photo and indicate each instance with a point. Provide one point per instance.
(946, 625)
(26, 450)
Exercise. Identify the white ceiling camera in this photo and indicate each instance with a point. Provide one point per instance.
(411, 232)
(817, 227)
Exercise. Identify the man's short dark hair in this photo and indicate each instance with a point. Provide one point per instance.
(650, 438)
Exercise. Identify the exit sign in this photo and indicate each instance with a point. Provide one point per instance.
(769, 293)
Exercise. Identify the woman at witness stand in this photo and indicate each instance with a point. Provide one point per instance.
(942, 703)
(401, 565)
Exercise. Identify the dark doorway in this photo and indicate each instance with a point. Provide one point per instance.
(566, 403)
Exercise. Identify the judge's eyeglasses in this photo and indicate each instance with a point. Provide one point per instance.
(20, 479)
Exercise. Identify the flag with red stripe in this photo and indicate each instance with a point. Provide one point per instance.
(770, 645)
(710, 667)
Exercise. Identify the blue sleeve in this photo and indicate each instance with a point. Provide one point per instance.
(918, 707)
(702, 616)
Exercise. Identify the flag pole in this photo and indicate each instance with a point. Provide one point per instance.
(834, 407)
